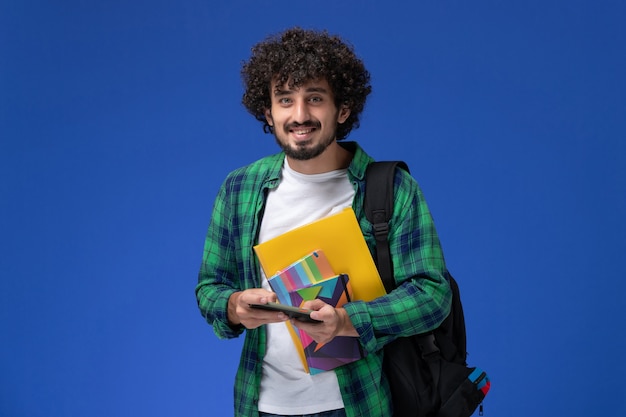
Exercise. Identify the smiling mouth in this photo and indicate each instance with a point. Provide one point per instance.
(302, 131)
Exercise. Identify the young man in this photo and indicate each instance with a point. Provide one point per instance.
(308, 88)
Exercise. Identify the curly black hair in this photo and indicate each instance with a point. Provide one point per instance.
(298, 56)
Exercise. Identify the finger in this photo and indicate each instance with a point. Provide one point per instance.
(315, 304)
(256, 296)
(317, 332)
(254, 318)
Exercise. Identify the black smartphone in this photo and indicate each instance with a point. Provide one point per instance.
(297, 313)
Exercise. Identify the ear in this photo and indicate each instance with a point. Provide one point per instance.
(344, 113)
(268, 117)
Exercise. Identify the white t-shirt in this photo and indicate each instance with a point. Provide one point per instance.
(299, 199)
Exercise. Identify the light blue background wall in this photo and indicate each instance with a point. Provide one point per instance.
(119, 119)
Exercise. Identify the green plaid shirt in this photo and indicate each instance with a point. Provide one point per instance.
(419, 304)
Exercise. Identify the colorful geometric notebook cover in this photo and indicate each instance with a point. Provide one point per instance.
(307, 279)
(311, 269)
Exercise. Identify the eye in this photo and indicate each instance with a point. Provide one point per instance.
(284, 101)
(315, 99)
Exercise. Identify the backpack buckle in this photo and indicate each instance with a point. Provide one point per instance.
(428, 346)
(381, 229)
(380, 224)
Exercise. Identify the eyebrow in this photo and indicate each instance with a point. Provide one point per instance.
(278, 92)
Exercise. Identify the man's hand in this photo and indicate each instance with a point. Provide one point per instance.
(335, 322)
(239, 311)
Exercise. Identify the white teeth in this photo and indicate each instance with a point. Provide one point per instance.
(302, 132)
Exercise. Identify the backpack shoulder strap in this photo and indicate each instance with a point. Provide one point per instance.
(378, 207)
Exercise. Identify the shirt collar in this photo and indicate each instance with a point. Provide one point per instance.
(360, 160)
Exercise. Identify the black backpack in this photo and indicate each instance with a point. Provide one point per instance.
(427, 373)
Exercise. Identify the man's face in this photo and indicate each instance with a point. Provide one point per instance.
(304, 118)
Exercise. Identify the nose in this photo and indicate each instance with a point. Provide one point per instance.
(301, 112)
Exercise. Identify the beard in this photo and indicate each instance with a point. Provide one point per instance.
(305, 150)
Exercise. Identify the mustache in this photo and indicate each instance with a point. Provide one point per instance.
(308, 123)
